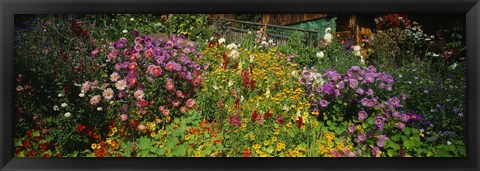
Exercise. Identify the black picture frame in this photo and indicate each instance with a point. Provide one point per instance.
(8, 8)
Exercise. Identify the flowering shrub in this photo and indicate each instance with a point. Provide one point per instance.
(358, 104)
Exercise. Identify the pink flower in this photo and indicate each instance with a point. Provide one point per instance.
(123, 117)
(95, 100)
(161, 108)
(176, 103)
(179, 93)
(141, 127)
(108, 93)
(19, 88)
(190, 103)
(183, 109)
(166, 112)
(170, 86)
(139, 94)
(114, 77)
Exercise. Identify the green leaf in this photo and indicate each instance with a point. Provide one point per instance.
(161, 151)
(144, 143)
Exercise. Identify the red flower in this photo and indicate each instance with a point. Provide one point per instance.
(254, 116)
(268, 114)
(80, 127)
(42, 146)
(26, 144)
(252, 84)
(299, 122)
(246, 152)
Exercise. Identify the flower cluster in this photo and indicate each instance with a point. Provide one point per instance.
(365, 91)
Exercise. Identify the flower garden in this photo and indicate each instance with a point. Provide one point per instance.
(151, 86)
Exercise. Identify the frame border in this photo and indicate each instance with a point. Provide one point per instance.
(8, 8)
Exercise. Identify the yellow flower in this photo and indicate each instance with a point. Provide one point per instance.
(187, 137)
(94, 146)
(244, 125)
(256, 146)
(252, 136)
(153, 134)
(266, 143)
(421, 134)
(276, 132)
(274, 139)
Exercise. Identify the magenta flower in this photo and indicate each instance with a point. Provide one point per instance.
(361, 137)
(170, 86)
(190, 103)
(353, 83)
(404, 118)
(166, 112)
(400, 125)
(360, 91)
(380, 143)
(123, 117)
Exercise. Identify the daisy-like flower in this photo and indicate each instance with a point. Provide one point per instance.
(95, 99)
(85, 86)
(114, 77)
(170, 86)
(320, 54)
(221, 41)
(121, 85)
(166, 112)
(108, 93)
(351, 128)
(68, 114)
(139, 94)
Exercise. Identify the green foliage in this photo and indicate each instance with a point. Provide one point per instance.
(193, 26)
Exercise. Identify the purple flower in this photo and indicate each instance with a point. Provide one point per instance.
(120, 45)
(371, 102)
(382, 137)
(369, 92)
(371, 68)
(378, 121)
(355, 68)
(353, 83)
(323, 103)
(361, 137)
(169, 45)
(404, 96)
(319, 89)
(135, 32)
(328, 88)
(148, 41)
(341, 85)
(394, 102)
(389, 79)
(414, 117)
(138, 47)
(362, 115)
(364, 101)
(369, 78)
(351, 128)
(404, 118)
(380, 143)
(389, 87)
(138, 40)
(360, 91)
(400, 125)
(396, 114)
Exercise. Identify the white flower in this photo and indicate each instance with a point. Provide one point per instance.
(233, 54)
(230, 83)
(241, 98)
(231, 46)
(295, 74)
(267, 93)
(121, 84)
(320, 54)
(357, 48)
(99, 108)
(68, 114)
(132, 19)
(221, 41)
(328, 37)
(264, 43)
(448, 142)
(124, 31)
(60, 95)
(453, 66)
(64, 105)
(249, 32)
(328, 30)
(215, 87)
(81, 95)
(270, 41)
(251, 58)
(55, 108)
